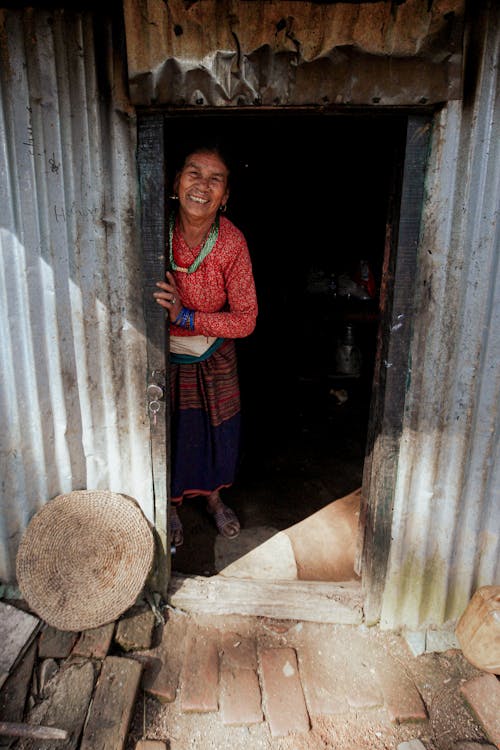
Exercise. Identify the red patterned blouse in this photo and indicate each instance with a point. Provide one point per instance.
(221, 290)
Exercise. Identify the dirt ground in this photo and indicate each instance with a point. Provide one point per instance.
(438, 678)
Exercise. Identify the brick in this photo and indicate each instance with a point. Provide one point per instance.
(150, 745)
(360, 683)
(55, 644)
(135, 632)
(240, 697)
(162, 664)
(483, 696)
(322, 676)
(65, 705)
(200, 671)
(362, 690)
(111, 710)
(284, 703)
(401, 697)
(94, 643)
(238, 652)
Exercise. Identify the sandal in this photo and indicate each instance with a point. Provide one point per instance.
(224, 517)
(176, 530)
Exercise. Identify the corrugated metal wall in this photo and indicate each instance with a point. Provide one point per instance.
(446, 524)
(73, 357)
(72, 330)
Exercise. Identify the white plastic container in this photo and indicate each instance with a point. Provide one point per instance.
(478, 630)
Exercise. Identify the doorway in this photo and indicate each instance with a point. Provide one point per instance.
(312, 194)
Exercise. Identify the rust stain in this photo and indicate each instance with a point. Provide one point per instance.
(222, 53)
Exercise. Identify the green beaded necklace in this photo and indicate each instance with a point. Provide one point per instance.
(207, 248)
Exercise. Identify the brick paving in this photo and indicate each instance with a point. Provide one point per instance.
(215, 683)
(289, 677)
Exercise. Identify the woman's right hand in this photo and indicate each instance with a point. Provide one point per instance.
(169, 297)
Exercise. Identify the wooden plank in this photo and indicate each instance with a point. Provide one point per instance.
(17, 630)
(11, 729)
(15, 689)
(392, 367)
(293, 600)
(113, 703)
(65, 705)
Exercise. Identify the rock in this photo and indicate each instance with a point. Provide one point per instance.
(135, 631)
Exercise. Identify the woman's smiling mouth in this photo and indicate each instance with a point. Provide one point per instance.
(198, 199)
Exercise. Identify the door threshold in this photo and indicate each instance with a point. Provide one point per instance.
(314, 601)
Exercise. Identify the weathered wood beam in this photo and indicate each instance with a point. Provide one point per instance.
(312, 601)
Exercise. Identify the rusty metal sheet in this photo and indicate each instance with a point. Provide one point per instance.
(224, 53)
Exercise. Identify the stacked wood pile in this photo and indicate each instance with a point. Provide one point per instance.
(69, 690)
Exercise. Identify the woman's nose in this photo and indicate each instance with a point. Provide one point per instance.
(203, 181)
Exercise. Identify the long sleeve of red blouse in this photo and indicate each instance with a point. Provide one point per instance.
(222, 290)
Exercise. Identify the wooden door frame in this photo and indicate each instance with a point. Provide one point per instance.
(392, 370)
(390, 383)
(151, 172)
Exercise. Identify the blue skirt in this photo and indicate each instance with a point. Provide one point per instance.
(205, 423)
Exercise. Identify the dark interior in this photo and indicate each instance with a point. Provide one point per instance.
(311, 193)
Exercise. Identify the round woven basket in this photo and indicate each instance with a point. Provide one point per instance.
(84, 559)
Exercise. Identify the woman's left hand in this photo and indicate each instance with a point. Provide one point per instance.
(169, 296)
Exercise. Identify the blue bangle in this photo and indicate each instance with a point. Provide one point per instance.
(185, 319)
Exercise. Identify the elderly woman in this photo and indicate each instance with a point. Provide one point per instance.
(210, 298)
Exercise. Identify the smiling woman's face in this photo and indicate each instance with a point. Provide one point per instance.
(202, 186)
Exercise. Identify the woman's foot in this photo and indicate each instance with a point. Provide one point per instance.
(225, 519)
(176, 530)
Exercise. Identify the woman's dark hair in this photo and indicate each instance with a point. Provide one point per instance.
(213, 148)
(198, 148)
